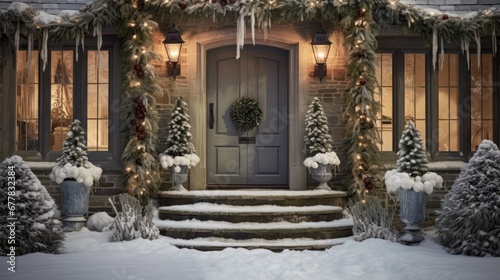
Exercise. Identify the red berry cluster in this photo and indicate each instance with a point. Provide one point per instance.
(138, 70)
(140, 111)
(140, 4)
(183, 5)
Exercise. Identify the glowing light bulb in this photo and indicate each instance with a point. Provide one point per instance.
(134, 37)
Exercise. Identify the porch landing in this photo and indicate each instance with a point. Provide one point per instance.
(268, 219)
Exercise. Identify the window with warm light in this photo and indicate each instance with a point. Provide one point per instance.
(452, 104)
(383, 95)
(482, 101)
(48, 101)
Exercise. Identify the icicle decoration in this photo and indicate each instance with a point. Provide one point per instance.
(252, 23)
(477, 36)
(434, 47)
(240, 32)
(30, 50)
(441, 56)
(464, 44)
(76, 45)
(43, 53)
(16, 38)
(494, 40)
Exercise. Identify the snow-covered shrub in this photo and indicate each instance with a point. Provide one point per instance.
(74, 163)
(317, 140)
(132, 220)
(99, 221)
(24, 199)
(371, 220)
(180, 150)
(411, 171)
(469, 219)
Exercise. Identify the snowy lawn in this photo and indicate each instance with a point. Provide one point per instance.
(89, 255)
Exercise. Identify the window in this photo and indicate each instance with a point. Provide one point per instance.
(69, 89)
(453, 105)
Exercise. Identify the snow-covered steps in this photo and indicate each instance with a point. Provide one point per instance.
(270, 219)
(254, 197)
(191, 229)
(252, 213)
(214, 244)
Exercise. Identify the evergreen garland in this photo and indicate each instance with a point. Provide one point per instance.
(246, 114)
(138, 114)
(362, 138)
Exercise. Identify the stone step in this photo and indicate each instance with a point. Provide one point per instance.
(254, 197)
(191, 229)
(258, 213)
(217, 244)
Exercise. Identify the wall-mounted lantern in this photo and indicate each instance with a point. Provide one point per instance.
(321, 46)
(173, 44)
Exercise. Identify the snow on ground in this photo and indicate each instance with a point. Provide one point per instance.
(88, 255)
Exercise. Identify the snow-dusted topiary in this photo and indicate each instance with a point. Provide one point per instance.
(180, 150)
(371, 220)
(411, 172)
(74, 163)
(469, 219)
(318, 141)
(99, 221)
(132, 220)
(317, 138)
(26, 204)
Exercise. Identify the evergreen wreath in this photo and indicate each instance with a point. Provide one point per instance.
(245, 113)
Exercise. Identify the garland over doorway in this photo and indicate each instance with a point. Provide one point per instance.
(360, 20)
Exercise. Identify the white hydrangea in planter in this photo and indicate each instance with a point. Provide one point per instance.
(412, 183)
(180, 154)
(318, 146)
(395, 180)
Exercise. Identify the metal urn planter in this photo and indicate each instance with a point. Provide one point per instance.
(74, 204)
(412, 213)
(322, 174)
(178, 178)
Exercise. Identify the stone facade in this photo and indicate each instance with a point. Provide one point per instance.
(331, 90)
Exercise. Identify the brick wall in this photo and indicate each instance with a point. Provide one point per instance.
(1, 102)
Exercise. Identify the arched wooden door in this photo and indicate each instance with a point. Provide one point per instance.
(259, 156)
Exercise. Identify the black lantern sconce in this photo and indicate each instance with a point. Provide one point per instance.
(173, 44)
(321, 46)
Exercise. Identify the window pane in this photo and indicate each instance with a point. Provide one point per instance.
(61, 99)
(383, 95)
(481, 100)
(448, 103)
(27, 102)
(98, 102)
(415, 90)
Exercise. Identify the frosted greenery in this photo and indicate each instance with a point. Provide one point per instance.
(179, 137)
(317, 138)
(469, 219)
(37, 224)
(371, 220)
(132, 219)
(412, 157)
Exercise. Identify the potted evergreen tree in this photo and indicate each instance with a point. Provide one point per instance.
(318, 146)
(180, 154)
(411, 181)
(76, 175)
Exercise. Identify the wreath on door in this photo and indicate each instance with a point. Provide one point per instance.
(245, 113)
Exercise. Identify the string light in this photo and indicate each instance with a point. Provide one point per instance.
(134, 37)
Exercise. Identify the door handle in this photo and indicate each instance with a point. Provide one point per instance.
(211, 119)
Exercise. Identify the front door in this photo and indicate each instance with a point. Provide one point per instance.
(258, 156)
